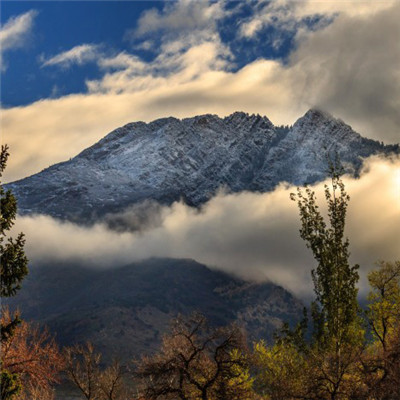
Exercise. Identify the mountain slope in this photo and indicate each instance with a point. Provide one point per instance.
(171, 159)
(124, 311)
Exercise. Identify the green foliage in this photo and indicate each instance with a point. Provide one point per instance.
(280, 370)
(381, 361)
(336, 363)
(326, 366)
(384, 307)
(296, 336)
(13, 260)
(10, 385)
(335, 311)
(13, 263)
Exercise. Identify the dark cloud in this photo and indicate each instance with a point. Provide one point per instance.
(352, 69)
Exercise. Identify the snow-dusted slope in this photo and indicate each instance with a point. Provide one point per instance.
(171, 159)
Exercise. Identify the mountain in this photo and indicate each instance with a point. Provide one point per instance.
(190, 159)
(124, 311)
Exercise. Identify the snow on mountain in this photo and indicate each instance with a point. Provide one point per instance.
(190, 159)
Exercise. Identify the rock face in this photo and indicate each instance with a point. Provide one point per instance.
(125, 311)
(190, 159)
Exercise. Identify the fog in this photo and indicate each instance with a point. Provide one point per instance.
(253, 235)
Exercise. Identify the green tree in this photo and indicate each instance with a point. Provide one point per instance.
(13, 269)
(281, 370)
(335, 310)
(337, 326)
(384, 307)
(326, 366)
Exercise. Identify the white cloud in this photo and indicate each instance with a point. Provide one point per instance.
(181, 17)
(252, 235)
(78, 55)
(15, 32)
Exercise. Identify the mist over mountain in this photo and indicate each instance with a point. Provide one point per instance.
(191, 159)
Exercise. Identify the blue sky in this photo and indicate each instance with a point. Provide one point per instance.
(78, 69)
(61, 25)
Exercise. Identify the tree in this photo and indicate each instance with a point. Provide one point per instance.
(197, 362)
(281, 370)
(335, 311)
(112, 385)
(32, 355)
(384, 307)
(381, 363)
(13, 268)
(337, 328)
(83, 367)
(336, 363)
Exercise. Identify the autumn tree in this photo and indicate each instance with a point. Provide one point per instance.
(82, 365)
(197, 362)
(13, 268)
(381, 363)
(94, 382)
(32, 355)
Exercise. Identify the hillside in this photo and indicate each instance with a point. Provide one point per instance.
(124, 311)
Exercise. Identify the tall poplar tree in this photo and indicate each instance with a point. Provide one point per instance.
(335, 310)
(13, 262)
(337, 327)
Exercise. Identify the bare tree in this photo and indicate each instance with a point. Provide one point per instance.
(197, 362)
(83, 367)
(112, 385)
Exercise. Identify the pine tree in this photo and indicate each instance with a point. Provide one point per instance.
(13, 263)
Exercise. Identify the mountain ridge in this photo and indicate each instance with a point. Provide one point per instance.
(189, 159)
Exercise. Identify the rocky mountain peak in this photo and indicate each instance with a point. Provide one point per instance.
(171, 159)
(240, 117)
(315, 120)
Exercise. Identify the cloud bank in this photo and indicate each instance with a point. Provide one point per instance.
(346, 62)
(252, 235)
